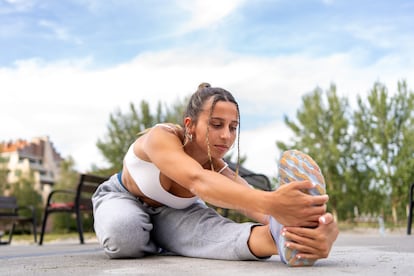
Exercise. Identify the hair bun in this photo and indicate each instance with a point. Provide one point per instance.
(203, 85)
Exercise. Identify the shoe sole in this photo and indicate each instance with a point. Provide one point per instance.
(296, 166)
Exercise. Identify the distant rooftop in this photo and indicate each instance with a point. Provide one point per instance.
(33, 149)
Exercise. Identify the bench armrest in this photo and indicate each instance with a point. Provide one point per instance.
(54, 192)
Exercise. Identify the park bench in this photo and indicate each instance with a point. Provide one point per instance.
(11, 215)
(410, 211)
(80, 202)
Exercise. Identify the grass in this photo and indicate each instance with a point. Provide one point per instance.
(371, 227)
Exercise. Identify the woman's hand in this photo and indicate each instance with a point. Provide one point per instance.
(294, 207)
(313, 243)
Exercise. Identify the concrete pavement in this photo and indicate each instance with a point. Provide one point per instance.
(353, 253)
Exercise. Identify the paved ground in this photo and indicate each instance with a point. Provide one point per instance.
(353, 253)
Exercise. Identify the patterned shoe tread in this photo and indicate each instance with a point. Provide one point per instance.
(298, 166)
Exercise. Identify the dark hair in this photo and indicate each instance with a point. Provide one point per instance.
(195, 106)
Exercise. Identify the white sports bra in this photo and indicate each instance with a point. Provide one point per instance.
(147, 177)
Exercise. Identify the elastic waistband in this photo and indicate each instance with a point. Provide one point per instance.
(119, 175)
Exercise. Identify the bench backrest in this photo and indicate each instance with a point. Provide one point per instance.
(259, 181)
(8, 206)
(86, 187)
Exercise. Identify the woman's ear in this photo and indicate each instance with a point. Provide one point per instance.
(187, 122)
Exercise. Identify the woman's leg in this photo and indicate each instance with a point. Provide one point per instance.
(261, 242)
(199, 231)
(121, 223)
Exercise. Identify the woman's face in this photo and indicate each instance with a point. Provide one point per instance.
(222, 128)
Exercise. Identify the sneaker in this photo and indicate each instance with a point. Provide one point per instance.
(295, 166)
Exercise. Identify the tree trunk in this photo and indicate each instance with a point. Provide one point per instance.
(394, 214)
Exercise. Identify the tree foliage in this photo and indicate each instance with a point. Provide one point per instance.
(366, 155)
(384, 128)
(3, 174)
(123, 129)
(321, 132)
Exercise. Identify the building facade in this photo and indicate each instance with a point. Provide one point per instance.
(37, 156)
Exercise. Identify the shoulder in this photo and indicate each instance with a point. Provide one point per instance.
(173, 128)
(163, 134)
(163, 146)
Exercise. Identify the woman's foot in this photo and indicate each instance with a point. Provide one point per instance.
(295, 165)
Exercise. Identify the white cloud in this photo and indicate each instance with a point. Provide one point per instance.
(259, 145)
(204, 14)
(71, 103)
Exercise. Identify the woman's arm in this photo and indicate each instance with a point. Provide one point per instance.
(256, 216)
(288, 204)
(165, 150)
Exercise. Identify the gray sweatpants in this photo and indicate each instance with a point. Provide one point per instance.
(129, 228)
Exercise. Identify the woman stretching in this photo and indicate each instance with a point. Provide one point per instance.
(157, 202)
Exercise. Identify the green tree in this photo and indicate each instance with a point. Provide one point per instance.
(3, 173)
(384, 129)
(122, 131)
(68, 176)
(321, 131)
(175, 112)
(124, 128)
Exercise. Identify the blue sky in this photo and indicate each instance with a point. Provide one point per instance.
(66, 65)
(113, 32)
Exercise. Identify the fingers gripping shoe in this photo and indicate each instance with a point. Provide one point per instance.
(296, 166)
